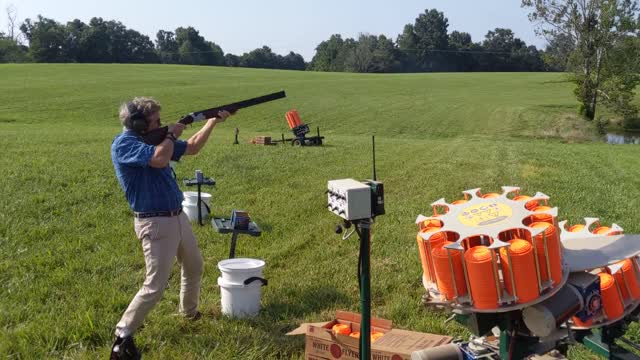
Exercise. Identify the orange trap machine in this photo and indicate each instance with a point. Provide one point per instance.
(524, 283)
(300, 131)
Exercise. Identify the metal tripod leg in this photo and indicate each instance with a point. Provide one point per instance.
(365, 291)
(234, 238)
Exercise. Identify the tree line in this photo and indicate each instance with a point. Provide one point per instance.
(102, 41)
(427, 46)
(424, 46)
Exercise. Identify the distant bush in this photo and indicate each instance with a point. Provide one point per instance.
(631, 123)
(602, 125)
(12, 52)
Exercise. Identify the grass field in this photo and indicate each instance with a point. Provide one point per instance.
(70, 262)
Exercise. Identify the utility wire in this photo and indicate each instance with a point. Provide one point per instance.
(465, 51)
(410, 49)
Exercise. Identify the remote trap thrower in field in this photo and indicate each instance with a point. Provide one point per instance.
(300, 131)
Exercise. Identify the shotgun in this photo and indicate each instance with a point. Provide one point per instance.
(156, 136)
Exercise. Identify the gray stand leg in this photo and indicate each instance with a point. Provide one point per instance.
(232, 252)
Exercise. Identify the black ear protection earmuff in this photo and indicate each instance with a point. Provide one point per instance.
(136, 120)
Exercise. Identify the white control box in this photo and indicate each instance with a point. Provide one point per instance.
(349, 199)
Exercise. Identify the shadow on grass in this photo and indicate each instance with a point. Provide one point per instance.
(294, 304)
(557, 107)
(308, 300)
(279, 317)
(288, 143)
(265, 227)
(556, 81)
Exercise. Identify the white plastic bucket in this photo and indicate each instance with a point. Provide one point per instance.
(236, 271)
(239, 300)
(240, 285)
(190, 204)
(191, 197)
(192, 211)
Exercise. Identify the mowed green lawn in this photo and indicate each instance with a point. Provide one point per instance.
(70, 262)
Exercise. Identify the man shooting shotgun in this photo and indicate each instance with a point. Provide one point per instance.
(142, 166)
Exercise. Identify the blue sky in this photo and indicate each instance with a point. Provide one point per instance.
(239, 26)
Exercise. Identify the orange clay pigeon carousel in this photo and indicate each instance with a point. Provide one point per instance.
(524, 283)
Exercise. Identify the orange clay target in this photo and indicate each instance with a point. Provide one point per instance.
(343, 329)
(529, 205)
(552, 254)
(576, 228)
(445, 279)
(524, 270)
(426, 249)
(628, 280)
(542, 217)
(480, 264)
(375, 335)
(611, 301)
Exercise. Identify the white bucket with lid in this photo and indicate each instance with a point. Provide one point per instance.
(236, 271)
(190, 204)
(240, 286)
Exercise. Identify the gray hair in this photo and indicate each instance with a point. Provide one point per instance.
(145, 105)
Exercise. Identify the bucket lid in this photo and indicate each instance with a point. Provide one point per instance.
(240, 265)
(194, 194)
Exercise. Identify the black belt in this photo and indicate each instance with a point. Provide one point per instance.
(142, 215)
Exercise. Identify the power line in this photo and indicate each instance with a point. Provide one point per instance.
(465, 51)
(209, 51)
(409, 49)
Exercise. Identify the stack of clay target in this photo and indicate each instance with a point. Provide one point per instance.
(620, 281)
(473, 235)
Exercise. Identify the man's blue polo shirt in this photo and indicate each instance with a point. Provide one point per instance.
(147, 189)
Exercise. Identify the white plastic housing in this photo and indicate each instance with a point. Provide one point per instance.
(349, 199)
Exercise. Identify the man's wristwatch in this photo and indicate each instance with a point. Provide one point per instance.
(171, 137)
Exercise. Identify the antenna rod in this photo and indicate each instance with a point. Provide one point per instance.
(373, 141)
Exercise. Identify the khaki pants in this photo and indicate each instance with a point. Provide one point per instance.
(163, 239)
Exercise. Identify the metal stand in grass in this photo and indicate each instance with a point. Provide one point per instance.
(358, 203)
(603, 341)
(240, 223)
(364, 279)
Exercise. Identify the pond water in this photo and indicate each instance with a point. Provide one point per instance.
(623, 138)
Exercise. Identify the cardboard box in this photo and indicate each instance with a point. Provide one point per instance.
(322, 344)
(262, 140)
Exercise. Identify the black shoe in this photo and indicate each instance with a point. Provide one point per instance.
(197, 316)
(124, 349)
